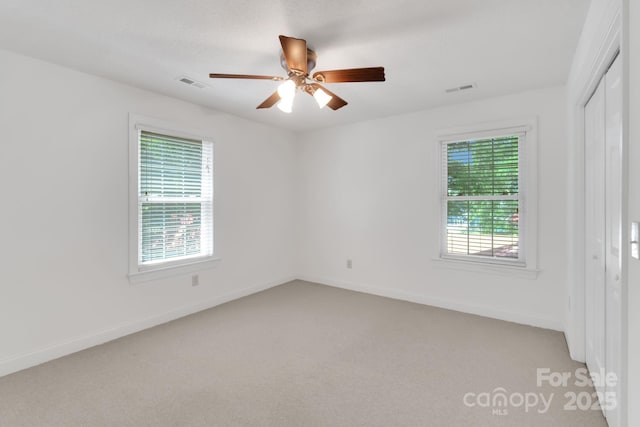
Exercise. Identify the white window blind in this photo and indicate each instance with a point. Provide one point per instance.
(175, 199)
(482, 199)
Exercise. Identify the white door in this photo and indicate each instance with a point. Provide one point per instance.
(613, 234)
(595, 233)
(603, 239)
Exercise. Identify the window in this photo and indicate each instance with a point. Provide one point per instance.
(173, 188)
(483, 200)
(484, 215)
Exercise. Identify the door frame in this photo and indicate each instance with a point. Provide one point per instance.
(609, 45)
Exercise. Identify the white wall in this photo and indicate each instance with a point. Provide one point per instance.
(63, 168)
(370, 192)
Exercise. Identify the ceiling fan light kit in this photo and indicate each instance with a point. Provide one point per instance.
(298, 60)
(321, 97)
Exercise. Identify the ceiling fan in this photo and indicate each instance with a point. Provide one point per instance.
(298, 60)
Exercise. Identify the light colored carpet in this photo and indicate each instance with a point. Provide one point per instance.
(301, 354)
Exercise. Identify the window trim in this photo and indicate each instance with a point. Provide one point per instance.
(138, 272)
(526, 129)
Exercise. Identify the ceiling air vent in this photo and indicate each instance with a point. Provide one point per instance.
(191, 82)
(461, 88)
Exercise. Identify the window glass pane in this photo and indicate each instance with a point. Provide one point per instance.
(170, 230)
(458, 160)
(483, 167)
(458, 227)
(170, 167)
(488, 228)
(505, 166)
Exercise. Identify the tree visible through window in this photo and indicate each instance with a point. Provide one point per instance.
(482, 199)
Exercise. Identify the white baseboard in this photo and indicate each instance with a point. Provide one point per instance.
(23, 361)
(510, 316)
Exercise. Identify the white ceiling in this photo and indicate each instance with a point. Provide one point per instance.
(426, 46)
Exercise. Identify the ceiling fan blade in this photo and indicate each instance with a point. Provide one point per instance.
(270, 101)
(371, 74)
(295, 53)
(243, 76)
(335, 103)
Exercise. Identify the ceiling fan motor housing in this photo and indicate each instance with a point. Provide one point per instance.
(311, 61)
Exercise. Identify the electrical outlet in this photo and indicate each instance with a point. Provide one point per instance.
(195, 280)
(349, 264)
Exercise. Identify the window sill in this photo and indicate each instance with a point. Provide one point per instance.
(488, 268)
(172, 270)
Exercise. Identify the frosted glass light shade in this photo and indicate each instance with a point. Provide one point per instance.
(287, 89)
(286, 104)
(321, 97)
(287, 92)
